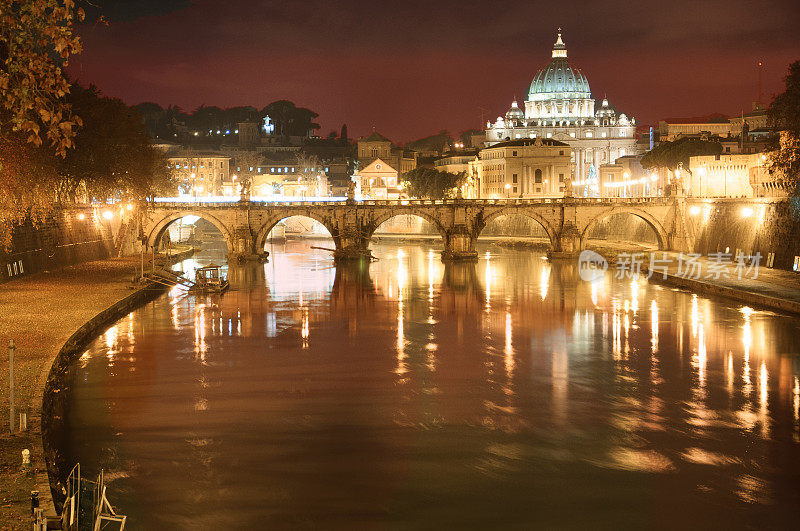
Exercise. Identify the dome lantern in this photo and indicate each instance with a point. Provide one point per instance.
(559, 48)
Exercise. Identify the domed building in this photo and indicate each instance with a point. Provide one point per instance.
(560, 106)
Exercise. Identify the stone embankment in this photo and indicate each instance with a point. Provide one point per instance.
(774, 289)
(51, 316)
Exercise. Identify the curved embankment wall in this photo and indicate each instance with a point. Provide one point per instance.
(53, 398)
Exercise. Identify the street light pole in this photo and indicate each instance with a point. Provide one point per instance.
(11, 349)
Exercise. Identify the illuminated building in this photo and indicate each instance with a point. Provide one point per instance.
(379, 181)
(735, 175)
(713, 125)
(377, 146)
(523, 168)
(200, 174)
(560, 107)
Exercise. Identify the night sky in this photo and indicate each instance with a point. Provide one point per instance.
(413, 68)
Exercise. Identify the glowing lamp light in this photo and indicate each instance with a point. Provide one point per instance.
(129, 206)
(81, 216)
(747, 212)
(508, 186)
(694, 210)
(108, 214)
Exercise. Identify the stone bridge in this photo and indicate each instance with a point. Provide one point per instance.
(567, 221)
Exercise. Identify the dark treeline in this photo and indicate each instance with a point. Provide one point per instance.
(173, 123)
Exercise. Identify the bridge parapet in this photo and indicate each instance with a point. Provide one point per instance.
(589, 201)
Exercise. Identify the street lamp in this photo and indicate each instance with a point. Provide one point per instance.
(508, 190)
(702, 171)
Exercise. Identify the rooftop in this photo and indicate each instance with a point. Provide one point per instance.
(549, 142)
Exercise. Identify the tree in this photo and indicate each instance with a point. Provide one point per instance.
(429, 183)
(28, 181)
(246, 164)
(783, 117)
(670, 154)
(36, 41)
(290, 120)
(311, 173)
(113, 156)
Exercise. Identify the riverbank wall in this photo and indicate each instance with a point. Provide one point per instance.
(748, 225)
(70, 235)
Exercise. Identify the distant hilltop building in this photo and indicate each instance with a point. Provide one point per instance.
(560, 107)
(750, 130)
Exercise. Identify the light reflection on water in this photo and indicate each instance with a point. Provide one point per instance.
(413, 392)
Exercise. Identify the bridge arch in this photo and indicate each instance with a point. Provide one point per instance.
(531, 214)
(266, 228)
(158, 230)
(382, 218)
(652, 222)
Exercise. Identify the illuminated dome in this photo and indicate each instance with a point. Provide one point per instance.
(559, 79)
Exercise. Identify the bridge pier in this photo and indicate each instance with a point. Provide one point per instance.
(351, 246)
(459, 245)
(568, 244)
(243, 247)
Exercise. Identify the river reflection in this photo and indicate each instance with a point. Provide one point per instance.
(413, 393)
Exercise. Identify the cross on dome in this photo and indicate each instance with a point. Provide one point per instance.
(559, 49)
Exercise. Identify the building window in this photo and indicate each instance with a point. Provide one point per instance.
(514, 153)
(561, 152)
(561, 177)
(589, 134)
(515, 189)
(538, 176)
(514, 178)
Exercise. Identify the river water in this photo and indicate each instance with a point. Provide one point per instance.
(410, 393)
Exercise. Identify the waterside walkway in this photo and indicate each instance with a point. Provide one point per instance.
(771, 288)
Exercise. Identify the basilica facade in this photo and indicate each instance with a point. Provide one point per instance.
(559, 106)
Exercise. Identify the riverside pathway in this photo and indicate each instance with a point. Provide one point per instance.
(776, 289)
(40, 312)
